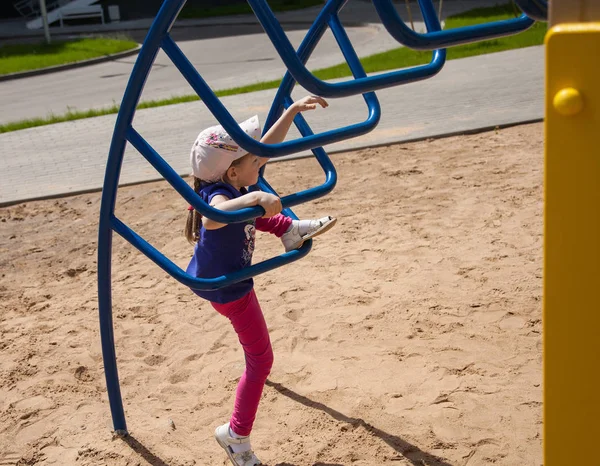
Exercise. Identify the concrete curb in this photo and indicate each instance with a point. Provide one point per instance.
(482, 129)
(69, 66)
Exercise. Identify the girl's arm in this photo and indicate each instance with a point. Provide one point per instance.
(280, 128)
(276, 134)
(268, 201)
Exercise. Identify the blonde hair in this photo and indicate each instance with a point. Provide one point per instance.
(192, 223)
(194, 218)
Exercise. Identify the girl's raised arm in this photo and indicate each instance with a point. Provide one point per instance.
(280, 128)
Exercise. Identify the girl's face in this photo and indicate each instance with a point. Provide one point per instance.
(245, 173)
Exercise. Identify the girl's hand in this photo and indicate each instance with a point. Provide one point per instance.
(269, 202)
(280, 128)
(309, 103)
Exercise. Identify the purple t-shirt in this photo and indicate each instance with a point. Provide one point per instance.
(223, 250)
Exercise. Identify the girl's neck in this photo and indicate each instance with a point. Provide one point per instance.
(231, 183)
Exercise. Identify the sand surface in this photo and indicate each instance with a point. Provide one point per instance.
(410, 335)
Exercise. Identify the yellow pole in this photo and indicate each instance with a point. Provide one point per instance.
(572, 235)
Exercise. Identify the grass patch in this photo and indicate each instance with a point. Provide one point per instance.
(392, 59)
(190, 11)
(25, 57)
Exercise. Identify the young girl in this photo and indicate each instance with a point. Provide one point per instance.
(222, 170)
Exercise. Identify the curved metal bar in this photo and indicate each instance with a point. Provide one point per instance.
(283, 99)
(205, 283)
(294, 199)
(535, 9)
(448, 38)
(342, 89)
(164, 20)
(306, 48)
(240, 215)
(255, 147)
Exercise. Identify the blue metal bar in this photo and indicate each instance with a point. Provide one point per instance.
(448, 38)
(232, 216)
(164, 20)
(283, 96)
(351, 87)
(310, 41)
(320, 155)
(535, 9)
(306, 48)
(283, 99)
(239, 136)
(205, 283)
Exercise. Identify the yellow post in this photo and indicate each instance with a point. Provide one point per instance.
(572, 238)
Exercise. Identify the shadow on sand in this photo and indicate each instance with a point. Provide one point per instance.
(407, 450)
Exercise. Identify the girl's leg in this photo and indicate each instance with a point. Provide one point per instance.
(249, 323)
(276, 225)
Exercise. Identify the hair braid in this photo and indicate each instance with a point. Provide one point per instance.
(192, 223)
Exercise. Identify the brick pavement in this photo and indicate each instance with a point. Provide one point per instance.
(471, 93)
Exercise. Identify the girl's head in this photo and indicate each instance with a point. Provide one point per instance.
(215, 153)
(216, 157)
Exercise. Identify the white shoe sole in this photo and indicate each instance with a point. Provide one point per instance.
(225, 447)
(324, 228)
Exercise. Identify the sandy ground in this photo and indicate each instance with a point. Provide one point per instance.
(410, 335)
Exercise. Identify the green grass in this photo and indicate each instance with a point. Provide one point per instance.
(392, 59)
(25, 57)
(190, 11)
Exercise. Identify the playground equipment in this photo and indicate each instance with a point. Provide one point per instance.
(449, 38)
(572, 216)
(571, 231)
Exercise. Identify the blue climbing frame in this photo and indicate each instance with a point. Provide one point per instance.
(450, 37)
(358, 85)
(158, 37)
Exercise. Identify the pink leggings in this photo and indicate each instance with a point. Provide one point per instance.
(249, 323)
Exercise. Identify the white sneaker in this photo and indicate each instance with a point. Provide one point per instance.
(293, 239)
(246, 458)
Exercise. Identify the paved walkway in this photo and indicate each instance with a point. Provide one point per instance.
(67, 158)
(471, 93)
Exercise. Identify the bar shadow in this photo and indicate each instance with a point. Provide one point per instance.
(412, 453)
(141, 450)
